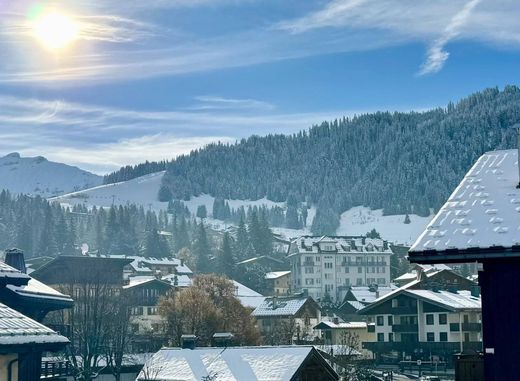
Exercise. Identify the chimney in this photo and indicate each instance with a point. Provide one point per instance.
(275, 302)
(222, 339)
(475, 291)
(188, 341)
(182, 262)
(335, 320)
(14, 258)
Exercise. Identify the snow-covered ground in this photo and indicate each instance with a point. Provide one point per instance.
(38, 176)
(143, 191)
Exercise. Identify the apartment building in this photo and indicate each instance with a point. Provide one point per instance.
(326, 267)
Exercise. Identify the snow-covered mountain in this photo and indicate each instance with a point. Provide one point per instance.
(144, 190)
(38, 176)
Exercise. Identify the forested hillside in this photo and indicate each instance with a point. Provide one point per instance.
(399, 162)
(402, 162)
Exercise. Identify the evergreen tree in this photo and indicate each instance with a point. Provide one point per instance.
(201, 250)
(407, 219)
(202, 212)
(242, 241)
(226, 257)
(165, 195)
(291, 218)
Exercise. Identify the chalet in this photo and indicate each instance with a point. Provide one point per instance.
(279, 282)
(24, 303)
(325, 267)
(22, 342)
(480, 222)
(416, 324)
(346, 337)
(291, 363)
(287, 320)
(146, 323)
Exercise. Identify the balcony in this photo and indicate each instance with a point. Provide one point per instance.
(53, 369)
(405, 328)
(427, 347)
(466, 327)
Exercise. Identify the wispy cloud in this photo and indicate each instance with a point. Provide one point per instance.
(437, 55)
(208, 102)
(104, 138)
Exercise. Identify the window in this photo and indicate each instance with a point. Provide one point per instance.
(359, 282)
(390, 320)
(151, 311)
(443, 336)
(380, 320)
(309, 281)
(380, 337)
(309, 270)
(443, 319)
(360, 270)
(346, 270)
(430, 336)
(347, 282)
(395, 303)
(391, 337)
(429, 319)
(328, 276)
(466, 336)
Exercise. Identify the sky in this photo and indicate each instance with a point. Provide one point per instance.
(153, 79)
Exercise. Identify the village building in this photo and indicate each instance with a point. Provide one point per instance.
(279, 283)
(346, 337)
(326, 267)
(24, 303)
(287, 320)
(421, 324)
(291, 363)
(480, 222)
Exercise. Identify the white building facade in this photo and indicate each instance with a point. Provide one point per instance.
(328, 266)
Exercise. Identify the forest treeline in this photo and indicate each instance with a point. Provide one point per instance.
(401, 162)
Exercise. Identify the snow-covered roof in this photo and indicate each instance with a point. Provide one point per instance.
(249, 298)
(328, 324)
(482, 215)
(460, 300)
(276, 274)
(427, 269)
(229, 364)
(7, 271)
(143, 264)
(280, 306)
(354, 303)
(182, 280)
(367, 294)
(37, 289)
(342, 245)
(16, 328)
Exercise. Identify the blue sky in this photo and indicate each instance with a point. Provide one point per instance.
(153, 79)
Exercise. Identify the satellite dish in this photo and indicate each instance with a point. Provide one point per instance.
(84, 249)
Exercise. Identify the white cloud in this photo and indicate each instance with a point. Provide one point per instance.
(437, 55)
(104, 138)
(209, 102)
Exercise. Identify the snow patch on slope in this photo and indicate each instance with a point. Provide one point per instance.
(38, 176)
(144, 190)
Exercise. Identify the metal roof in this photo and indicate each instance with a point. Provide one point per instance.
(16, 329)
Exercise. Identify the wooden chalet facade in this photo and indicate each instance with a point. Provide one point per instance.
(287, 320)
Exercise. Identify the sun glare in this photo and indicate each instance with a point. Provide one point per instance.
(55, 31)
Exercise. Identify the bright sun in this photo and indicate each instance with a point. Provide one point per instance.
(55, 31)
